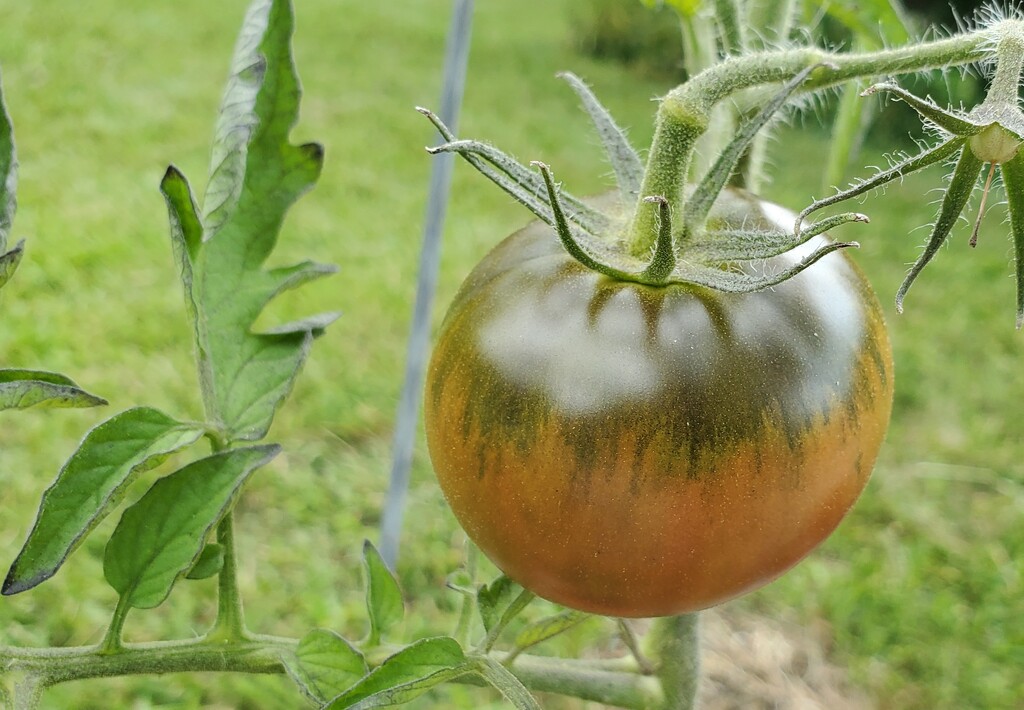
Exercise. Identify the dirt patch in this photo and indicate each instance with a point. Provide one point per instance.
(750, 662)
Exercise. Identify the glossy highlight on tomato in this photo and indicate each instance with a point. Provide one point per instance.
(638, 451)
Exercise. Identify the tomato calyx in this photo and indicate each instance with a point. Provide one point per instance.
(684, 246)
(990, 134)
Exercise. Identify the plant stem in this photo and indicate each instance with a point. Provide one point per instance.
(230, 624)
(50, 666)
(612, 681)
(685, 113)
(1005, 82)
(112, 640)
(468, 609)
(629, 638)
(677, 649)
(730, 26)
(618, 688)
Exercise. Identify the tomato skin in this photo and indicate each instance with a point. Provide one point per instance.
(639, 451)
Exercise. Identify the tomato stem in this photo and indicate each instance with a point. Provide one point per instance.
(677, 651)
(685, 113)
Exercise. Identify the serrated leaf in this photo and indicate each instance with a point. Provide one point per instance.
(406, 675)
(20, 389)
(325, 665)
(90, 484)
(256, 174)
(495, 598)
(210, 562)
(8, 174)
(160, 537)
(263, 370)
(315, 325)
(384, 603)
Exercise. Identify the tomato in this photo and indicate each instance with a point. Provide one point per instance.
(633, 450)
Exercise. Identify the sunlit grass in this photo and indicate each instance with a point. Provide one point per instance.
(921, 587)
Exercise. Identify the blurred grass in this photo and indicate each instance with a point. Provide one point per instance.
(921, 588)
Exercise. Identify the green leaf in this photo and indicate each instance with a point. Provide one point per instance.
(383, 596)
(255, 176)
(1013, 182)
(548, 628)
(629, 170)
(325, 665)
(90, 484)
(406, 675)
(9, 262)
(20, 389)
(210, 562)
(912, 164)
(961, 186)
(161, 536)
(521, 183)
(8, 175)
(495, 599)
(186, 235)
(501, 678)
(947, 120)
(742, 245)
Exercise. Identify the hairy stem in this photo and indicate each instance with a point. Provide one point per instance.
(730, 26)
(468, 608)
(28, 671)
(1006, 80)
(112, 640)
(677, 649)
(571, 678)
(230, 624)
(50, 666)
(685, 113)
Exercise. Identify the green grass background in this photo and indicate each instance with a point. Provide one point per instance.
(921, 589)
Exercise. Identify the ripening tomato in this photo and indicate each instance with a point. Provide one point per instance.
(633, 450)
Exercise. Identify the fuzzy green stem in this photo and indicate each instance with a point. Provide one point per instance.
(685, 113)
(676, 647)
(230, 624)
(731, 27)
(700, 51)
(112, 640)
(1009, 62)
(50, 666)
(468, 609)
(27, 671)
(629, 638)
(572, 678)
